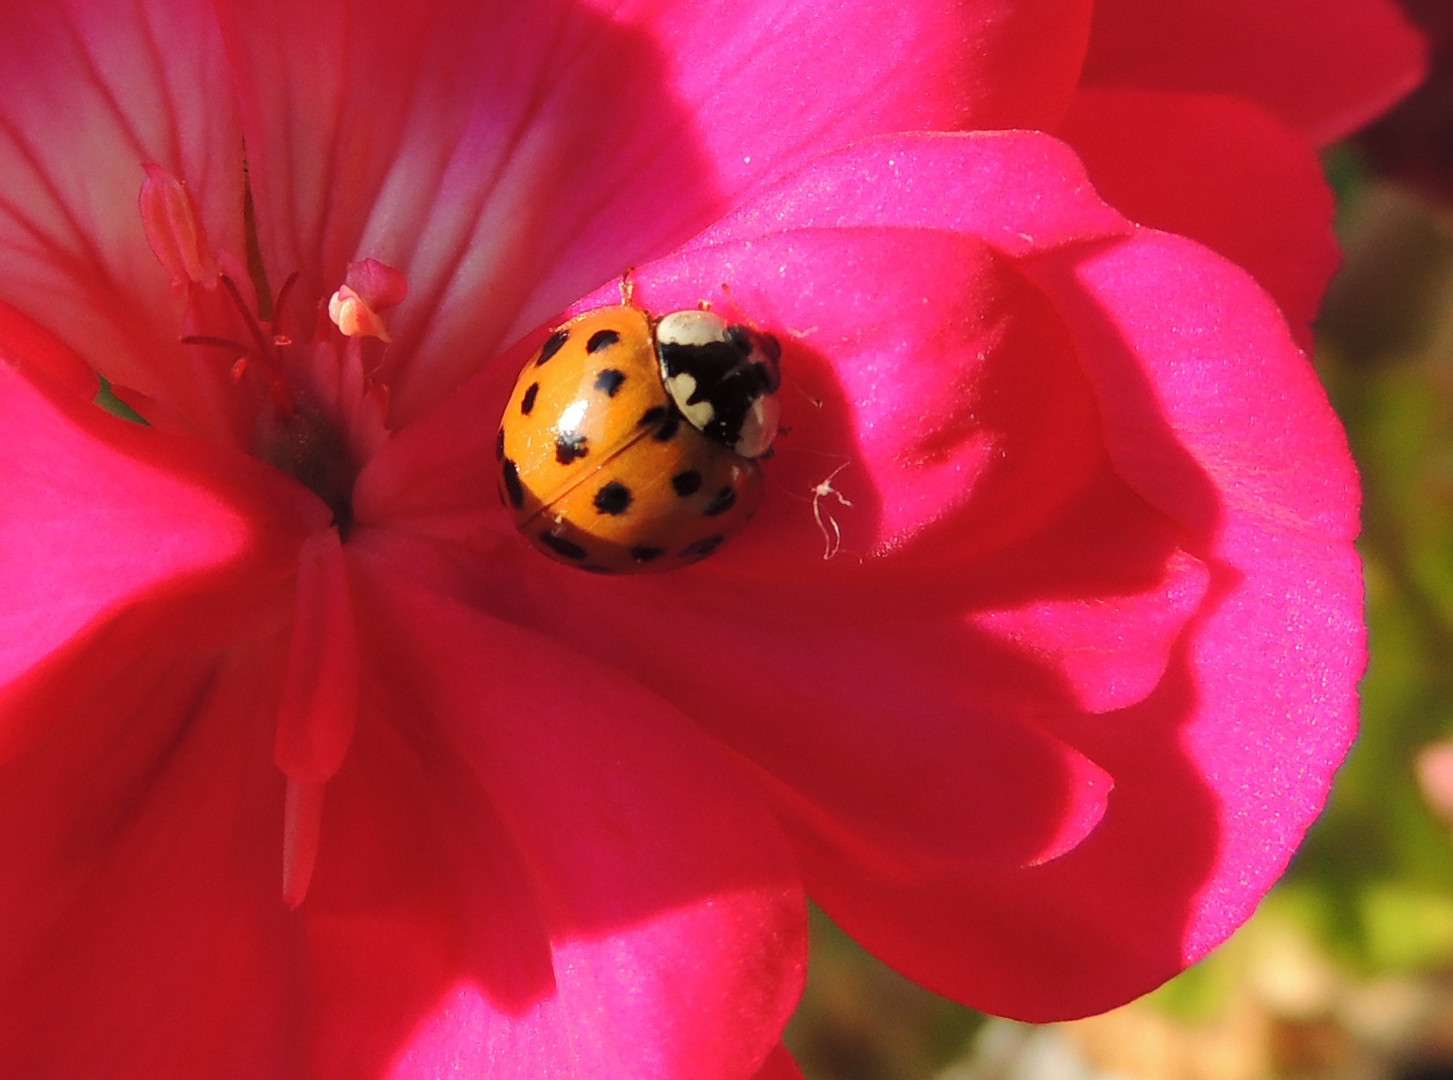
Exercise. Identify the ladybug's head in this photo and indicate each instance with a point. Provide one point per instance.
(723, 377)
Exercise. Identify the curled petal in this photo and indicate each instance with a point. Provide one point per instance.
(1221, 171)
(1214, 467)
(1018, 192)
(1214, 416)
(1277, 657)
(1324, 66)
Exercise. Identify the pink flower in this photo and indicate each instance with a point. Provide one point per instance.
(1032, 670)
(1197, 118)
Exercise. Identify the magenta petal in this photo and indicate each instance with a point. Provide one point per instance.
(1238, 701)
(1233, 753)
(1112, 650)
(1325, 66)
(510, 158)
(1278, 658)
(1221, 171)
(89, 93)
(1019, 192)
(779, 1066)
(924, 379)
(609, 895)
(103, 514)
(139, 881)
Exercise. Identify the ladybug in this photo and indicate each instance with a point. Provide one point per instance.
(633, 443)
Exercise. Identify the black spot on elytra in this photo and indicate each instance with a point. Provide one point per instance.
(610, 380)
(703, 547)
(561, 546)
(686, 483)
(642, 553)
(613, 499)
(553, 344)
(721, 502)
(602, 339)
(527, 403)
(513, 488)
(570, 447)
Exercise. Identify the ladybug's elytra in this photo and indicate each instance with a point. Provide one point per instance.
(633, 443)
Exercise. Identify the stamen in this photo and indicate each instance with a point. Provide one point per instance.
(213, 342)
(261, 340)
(263, 349)
(173, 231)
(353, 317)
(302, 826)
(319, 704)
(279, 305)
(369, 287)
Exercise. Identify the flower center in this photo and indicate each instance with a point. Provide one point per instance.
(288, 381)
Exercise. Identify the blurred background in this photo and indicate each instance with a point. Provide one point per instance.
(1346, 972)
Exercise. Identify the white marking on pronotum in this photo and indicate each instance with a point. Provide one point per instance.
(681, 387)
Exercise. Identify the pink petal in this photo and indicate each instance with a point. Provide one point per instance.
(105, 516)
(779, 1066)
(919, 360)
(1220, 171)
(89, 92)
(529, 864)
(1113, 650)
(31, 349)
(1213, 417)
(1221, 769)
(510, 159)
(942, 755)
(145, 937)
(1325, 66)
(1278, 658)
(1019, 192)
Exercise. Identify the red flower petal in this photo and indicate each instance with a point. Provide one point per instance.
(1325, 66)
(30, 348)
(528, 862)
(509, 159)
(145, 935)
(1233, 753)
(1225, 729)
(106, 517)
(1220, 171)
(779, 1066)
(89, 92)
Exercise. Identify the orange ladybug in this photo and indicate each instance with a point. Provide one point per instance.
(633, 443)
